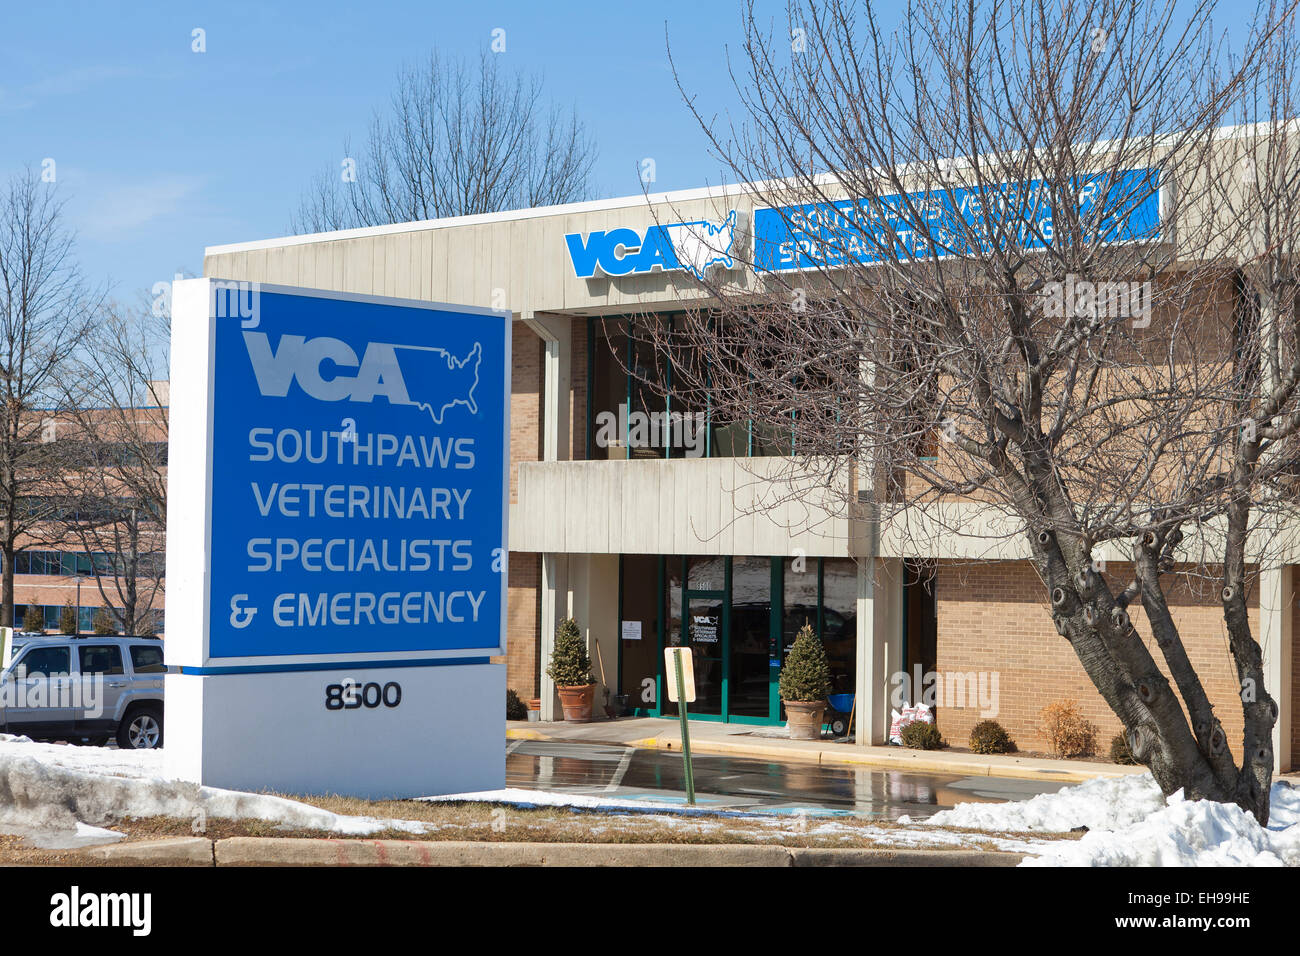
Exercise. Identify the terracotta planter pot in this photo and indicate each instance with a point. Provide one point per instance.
(576, 702)
(805, 718)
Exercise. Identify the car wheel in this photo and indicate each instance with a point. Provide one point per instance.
(141, 729)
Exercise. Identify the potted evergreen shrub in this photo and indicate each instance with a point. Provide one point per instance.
(804, 683)
(570, 668)
(68, 620)
(33, 620)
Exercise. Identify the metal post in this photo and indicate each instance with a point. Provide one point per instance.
(686, 732)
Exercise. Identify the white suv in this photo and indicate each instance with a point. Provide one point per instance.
(86, 689)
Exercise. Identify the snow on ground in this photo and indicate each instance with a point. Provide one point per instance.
(1130, 823)
(1101, 804)
(118, 763)
(66, 792)
(60, 796)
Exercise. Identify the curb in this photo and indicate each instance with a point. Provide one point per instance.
(178, 851)
(282, 851)
(290, 851)
(907, 760)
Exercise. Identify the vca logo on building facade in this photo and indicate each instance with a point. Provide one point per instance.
(445, 381)
(668, 247)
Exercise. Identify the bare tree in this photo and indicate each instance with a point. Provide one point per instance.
(458, 140)
(45, 310)
(111, 486)
(1017, 280)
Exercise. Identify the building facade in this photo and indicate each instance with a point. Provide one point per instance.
(649, 540)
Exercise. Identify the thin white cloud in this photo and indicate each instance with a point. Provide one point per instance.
(67, 83)
(112, 209)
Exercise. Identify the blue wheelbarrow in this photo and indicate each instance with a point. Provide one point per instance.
(839, 714)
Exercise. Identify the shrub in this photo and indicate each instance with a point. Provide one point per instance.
(33, 619)
(805, 675)
(1120, 752)
(570, 666)
(990, 737)
(516, 709)
(68, 620)
(921, 735)
(1068, 733)
(102, 623)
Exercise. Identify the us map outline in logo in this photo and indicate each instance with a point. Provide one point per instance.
(688, 246)
(379, 371)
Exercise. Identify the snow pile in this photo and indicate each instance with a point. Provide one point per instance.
(1130, 823)
(118, 763)
(38, 797)
(1101, 804)
(1184, 833)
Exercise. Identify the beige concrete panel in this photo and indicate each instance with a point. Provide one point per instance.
(336, 277)
(672, 509)
(461, 252)
(308, 257)
(643, 509)
(557, 507)
(421, 265)
(274, 267)
(582, 534)
(742, 499)
(359, 266)
(437, 266)
(389, 257)
(607, 497)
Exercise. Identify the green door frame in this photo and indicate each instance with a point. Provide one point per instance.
(725, 597)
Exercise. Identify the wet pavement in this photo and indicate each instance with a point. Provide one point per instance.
(746, 783)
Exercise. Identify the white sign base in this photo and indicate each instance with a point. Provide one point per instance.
(274, 731)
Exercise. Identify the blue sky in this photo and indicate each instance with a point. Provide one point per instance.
(161, 151)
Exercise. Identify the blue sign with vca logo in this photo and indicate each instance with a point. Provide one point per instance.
(358, 483)
(665, 247)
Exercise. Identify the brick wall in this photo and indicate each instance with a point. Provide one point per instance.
(523, 614)
(525, 401)
(523, 599)
(994, 617)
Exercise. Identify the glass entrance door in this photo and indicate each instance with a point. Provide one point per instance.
(704, 625)
(753, 651)
(721, 608)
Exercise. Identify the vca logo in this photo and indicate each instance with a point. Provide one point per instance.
(329, 370)
(693, 246)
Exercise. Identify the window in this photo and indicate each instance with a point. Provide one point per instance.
(72, 564)
(47, 661)
(101, 659)
(147, 660)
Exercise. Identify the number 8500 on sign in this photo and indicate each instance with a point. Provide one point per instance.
(353, 695)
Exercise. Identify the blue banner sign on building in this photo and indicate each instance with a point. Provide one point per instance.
(666, 247)
(857, 232)
(359, 454)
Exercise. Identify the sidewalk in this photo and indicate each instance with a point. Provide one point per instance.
(768, 743)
